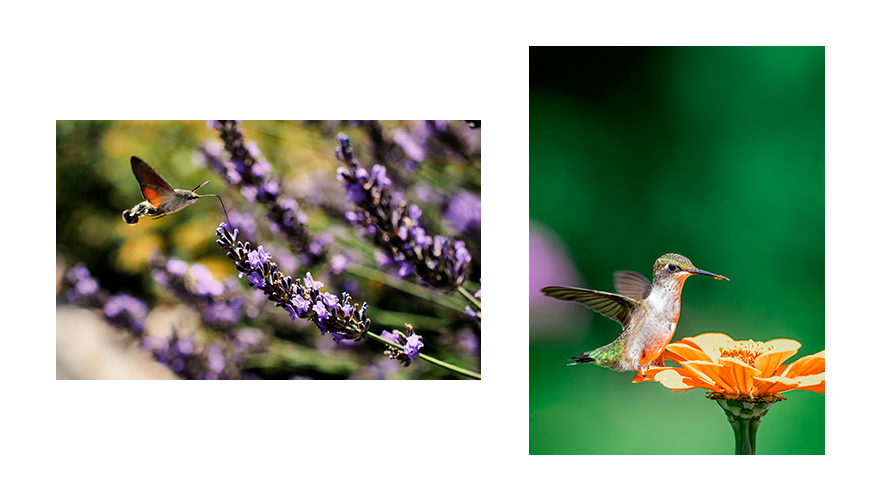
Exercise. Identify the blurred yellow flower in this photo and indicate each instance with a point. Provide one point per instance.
(737, 368)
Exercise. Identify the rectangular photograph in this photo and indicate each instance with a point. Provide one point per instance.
(229, 249)
(676, 250)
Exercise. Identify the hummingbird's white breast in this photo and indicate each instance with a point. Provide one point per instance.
(656, 328)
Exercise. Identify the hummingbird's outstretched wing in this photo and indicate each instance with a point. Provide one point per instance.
(611, 305)
(632, 284)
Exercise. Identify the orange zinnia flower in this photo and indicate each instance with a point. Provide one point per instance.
(737, 368)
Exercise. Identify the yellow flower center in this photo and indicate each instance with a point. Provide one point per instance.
(744, 350)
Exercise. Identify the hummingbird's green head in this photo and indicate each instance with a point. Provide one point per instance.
(674, 266)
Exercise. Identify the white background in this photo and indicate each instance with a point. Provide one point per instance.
(382, 60)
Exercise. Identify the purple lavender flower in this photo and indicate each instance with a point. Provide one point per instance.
(81, 287)
(181, 354)
(390, 336)
(245, 223)
(379, 177)
(205, 283)
(287, 262)
(250, 172)
(306, 301)
(123, 311)
(258, 257)
(321, 311)
(339, 263)
(428, 195)
(176, 267)
(446, 139)
(250, 193)
(126, 312)
(436, 141)
(215, 360)
(187, 346)
(383, 259)
(301, 305)
(411, 343)
(329, 299)
(221, 304)
(157, 347)
(250, 337)
(346, 305)
(439, 261)
(468, 342)
(219, 360)
(412, 147)
(464, 212)
(310, 284)
(256, 279)
(462, 256)
(223, 312)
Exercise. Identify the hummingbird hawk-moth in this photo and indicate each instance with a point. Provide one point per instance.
(160, 197)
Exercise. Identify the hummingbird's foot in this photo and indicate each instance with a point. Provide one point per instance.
(646, 366)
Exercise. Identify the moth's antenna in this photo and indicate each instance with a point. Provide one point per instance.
(222, 204)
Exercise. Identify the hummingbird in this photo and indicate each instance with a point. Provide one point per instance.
(648, 312)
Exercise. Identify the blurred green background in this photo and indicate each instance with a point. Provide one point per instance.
(716, 153)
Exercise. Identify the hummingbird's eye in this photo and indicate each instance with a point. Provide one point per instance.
(672, 267)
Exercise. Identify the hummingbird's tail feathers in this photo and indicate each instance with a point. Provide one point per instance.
(582, 358)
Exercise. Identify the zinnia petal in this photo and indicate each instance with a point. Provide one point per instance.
(740, 374)
(814, 383)
(704, 370)
(675, 379)
(709, 343)
(685, 352)
(807, 365)
(773, 385)
(769, 362)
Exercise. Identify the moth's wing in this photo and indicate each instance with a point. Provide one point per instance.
(612, 306)
(632, 284)
(154, 188)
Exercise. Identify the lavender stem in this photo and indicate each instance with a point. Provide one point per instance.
(434, 361)
(466, 294)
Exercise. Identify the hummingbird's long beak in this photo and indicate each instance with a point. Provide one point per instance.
(706, 273)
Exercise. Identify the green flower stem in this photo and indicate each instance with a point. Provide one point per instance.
(405, 286)
(434, 361)
(469, 296)
(744, 416)
(398, 318)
